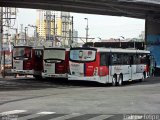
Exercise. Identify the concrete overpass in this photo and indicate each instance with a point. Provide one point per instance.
(128, 8)
(145, 9)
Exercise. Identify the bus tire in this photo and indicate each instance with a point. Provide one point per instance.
(15, 75)
(120, 80)
(37, 77)
(114, 80)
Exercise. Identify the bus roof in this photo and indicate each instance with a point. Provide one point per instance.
(115, 50)
(38, 48)
(120, 50)
(57, 48)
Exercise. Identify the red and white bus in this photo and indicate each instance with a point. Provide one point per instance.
(108, 65)
(55, 62)
(27, 61)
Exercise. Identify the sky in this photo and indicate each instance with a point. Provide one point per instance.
(102, 26)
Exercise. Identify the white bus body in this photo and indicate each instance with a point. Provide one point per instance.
(107, 65)
(55, 62)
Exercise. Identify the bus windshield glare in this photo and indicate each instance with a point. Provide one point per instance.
(50, 55)
(82, 55)
(21, 53)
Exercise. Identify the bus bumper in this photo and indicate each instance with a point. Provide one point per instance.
(46, 75)
(79, 78)
(23, 72)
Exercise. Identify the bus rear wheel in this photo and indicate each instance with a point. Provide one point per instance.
(120, 80)
(114, 81)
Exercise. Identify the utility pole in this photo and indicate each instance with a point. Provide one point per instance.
(1, 33)
(54, 17)
(86, 30)
(15, 41)
(72, 29)
(21, 37)
(26, 41)
(54, 37)
(71, 32)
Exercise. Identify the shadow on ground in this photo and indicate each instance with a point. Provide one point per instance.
(33, 84)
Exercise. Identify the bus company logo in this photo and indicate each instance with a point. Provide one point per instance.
(91, 67)
(16, 61)
(47, 64)
(75, 65)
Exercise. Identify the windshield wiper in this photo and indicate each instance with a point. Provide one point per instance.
(53, 60)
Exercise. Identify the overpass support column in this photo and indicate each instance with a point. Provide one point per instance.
(152, 38)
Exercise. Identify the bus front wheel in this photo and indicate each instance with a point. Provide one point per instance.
(114, 80)
(120, 80)
(37, 77)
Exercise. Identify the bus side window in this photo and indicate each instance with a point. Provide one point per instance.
(144, 59)
(138, 59)
(114, 59)
(109, 59)
(148, 60)
(134, 59)
(125, 59)
(117, 59)
(38, 53)
(102, 59)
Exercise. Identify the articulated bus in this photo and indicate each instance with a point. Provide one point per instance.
(55, 62)
(27, 61)
(108, 65)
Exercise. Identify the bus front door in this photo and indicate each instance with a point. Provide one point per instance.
(130, 67)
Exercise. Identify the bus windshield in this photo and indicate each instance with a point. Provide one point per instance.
(82, 55)
(21, 53)
(54, 55)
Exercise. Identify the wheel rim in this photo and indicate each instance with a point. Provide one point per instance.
(114, 81)
(120, 81)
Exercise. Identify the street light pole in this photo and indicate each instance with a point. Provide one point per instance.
(26, 35)
(86, 30)
(1, 35)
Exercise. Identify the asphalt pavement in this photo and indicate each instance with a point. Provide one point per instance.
(30, 99)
